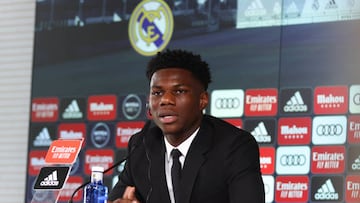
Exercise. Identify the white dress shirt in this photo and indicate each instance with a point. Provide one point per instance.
(183, 148)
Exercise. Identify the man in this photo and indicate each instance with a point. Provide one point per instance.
(220, 163)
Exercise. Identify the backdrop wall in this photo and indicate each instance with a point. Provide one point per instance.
(287, 71)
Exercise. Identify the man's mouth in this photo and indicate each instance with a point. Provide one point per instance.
(166, 119)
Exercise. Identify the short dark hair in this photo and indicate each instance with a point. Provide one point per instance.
(178, 58)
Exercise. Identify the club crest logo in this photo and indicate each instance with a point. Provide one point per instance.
(150, 27)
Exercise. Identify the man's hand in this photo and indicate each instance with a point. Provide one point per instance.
(128, 196)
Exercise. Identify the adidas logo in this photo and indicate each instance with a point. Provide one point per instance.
(50, 180)
(331, 4)
(260, 133)
(256, 8)
(327, 192)
(315, 5)
(295, 104)
(72, 111)
(292, 10)
(356, 164)
(43, 139)
(277, 8)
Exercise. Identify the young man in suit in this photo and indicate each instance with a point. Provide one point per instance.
(219, 162)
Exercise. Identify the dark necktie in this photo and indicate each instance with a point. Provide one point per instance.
(176, 173)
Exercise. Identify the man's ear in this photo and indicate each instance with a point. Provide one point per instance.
(204, 100)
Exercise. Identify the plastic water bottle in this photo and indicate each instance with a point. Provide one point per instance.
(96, 191)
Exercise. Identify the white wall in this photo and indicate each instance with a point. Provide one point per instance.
(16, 48)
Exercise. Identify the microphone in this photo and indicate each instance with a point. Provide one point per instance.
(144, 129)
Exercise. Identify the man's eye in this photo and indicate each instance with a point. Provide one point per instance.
(180, 91)
(156, 93)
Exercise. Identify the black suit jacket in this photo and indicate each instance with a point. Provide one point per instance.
(222, 165)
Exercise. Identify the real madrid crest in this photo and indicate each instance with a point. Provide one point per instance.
(150, 27)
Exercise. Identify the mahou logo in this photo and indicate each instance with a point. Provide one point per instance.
(44, 109)
(36, 161)
(261, 102)
(124, 130)
(294, 131)
(331, 100)
(70, 131)
(291, 189)
(267, 160)
(102, 107)
(328, 159)
(235, 122)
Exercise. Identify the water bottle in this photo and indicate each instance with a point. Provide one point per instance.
(96, 191)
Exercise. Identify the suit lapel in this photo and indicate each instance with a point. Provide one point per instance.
(194, 160)
(156, 147)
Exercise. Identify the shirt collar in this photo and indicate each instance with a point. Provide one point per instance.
(183, 147)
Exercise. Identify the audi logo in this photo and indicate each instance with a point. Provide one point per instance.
(227, 103)
(356, 99)
(293, 160)
(329, 129)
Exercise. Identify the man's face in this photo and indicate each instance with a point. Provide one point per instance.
(176, 101)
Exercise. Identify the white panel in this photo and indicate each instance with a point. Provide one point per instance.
(16, 47)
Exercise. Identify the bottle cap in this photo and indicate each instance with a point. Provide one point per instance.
(97, 169)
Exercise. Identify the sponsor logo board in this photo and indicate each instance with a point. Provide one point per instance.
(327, 188)
(42, 135)
(352, 188)
(354, 99)
(101, 107)
(295, 101)
(292, 189)
(72, 109)
(293, 160)
(354, 129)
(268, 187)
(124, 130)
(44, 109)
(329, 130)
(36, 161)
(52, 178)
(132, 107)
(294, 131)
(237, 122)
(101, 134)
(63, 151)
(262, 130)
(72, 131)
(353, 159)
(331, 100)
(227, 103)
(261, 102)
(328, 159)
(267, 160)
(98, 157)
(70, 186)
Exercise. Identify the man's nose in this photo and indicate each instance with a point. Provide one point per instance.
(167, 98)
